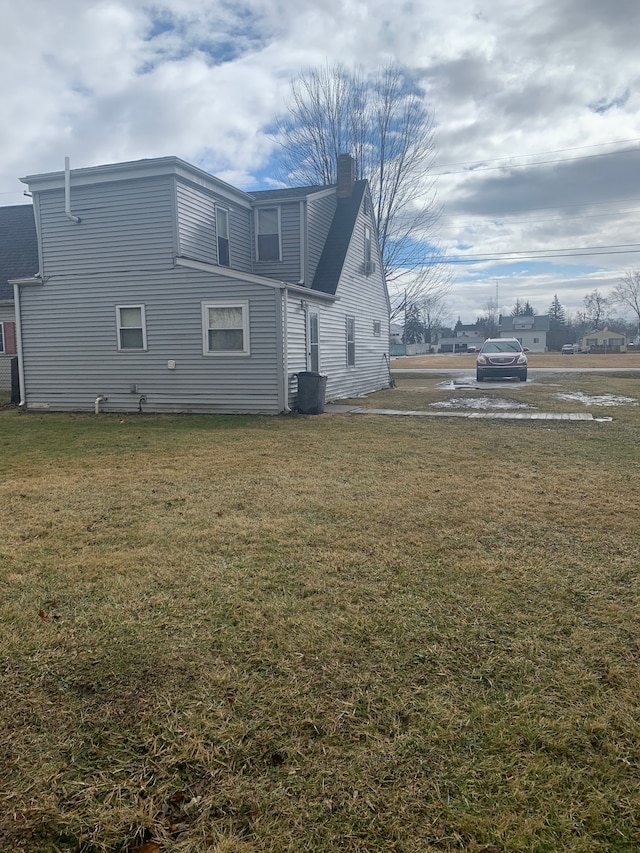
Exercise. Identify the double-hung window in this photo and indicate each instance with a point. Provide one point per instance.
(1, 337)
(351, 341)
(268, 234)
(225, 327)
(132, 332)
(222, 229)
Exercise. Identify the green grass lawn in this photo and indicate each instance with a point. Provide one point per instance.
(239, 635)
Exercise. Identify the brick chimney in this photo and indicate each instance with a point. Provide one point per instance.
(346, 175)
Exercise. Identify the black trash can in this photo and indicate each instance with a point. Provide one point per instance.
(311, 390)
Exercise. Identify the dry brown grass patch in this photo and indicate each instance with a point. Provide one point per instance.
(247, 635)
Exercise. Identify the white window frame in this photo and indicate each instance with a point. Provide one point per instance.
(258, 211)
(350, 321)
(377, 329)
(243, 304)
(120, 327)
(225, 210)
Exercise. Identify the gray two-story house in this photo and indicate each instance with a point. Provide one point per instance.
(164, 289)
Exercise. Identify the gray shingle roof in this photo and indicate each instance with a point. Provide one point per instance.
(287, 193)
(18, 246)
(335, 249)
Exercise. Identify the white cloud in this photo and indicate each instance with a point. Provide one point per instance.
(109, 80)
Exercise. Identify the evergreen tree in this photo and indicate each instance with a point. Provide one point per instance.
(413, 325)
(559, 332)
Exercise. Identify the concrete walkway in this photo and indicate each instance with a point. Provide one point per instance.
(340, 409)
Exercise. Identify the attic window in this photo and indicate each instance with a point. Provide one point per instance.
(268, 234)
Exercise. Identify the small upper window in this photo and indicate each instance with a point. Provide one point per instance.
(132, 333)
(268, 234)
(368, 263)
(377, 331)
(222, 229)
(226, 328)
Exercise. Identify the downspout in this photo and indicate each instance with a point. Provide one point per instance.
(67, 193)
(284, 309)
(16, 304)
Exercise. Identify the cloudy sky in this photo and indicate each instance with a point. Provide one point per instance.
(537, 109)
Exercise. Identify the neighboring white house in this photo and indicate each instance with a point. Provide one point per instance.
(464, 338)
(162, 288)
(530, 330)
(604, 340)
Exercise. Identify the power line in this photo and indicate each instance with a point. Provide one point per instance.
(554, 218)
(530, 165)
(539, 153)
(523, 210)
(551, 254)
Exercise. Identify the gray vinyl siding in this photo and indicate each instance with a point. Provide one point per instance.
(365, 299)
(319, 217)
(197, 227)
(240, 238)
(127, 225)
(7, 314)
(296, 344)
(288, 269)
(69, 333)
(196, 224)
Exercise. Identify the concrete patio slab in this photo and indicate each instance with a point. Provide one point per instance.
(341, 409)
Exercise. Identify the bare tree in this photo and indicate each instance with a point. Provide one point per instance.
(384, 124)
(488, 321)
(627, 293)
(434, 312)
(595, 305)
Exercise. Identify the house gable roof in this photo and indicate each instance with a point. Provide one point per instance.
(336, 246)
(18, 246)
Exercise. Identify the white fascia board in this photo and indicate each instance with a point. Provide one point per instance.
(227, 272)
(138, 169)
